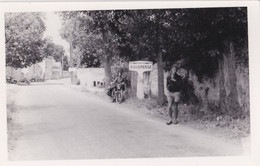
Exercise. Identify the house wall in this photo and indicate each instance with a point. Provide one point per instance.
(34, 71)
(56, 70)
(48, 68)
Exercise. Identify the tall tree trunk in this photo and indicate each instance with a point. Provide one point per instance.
(161, 96)
(107, 67)
(232, 98)
(71, 52)
(107, 60)
(229, 102)
(222, 90)
(71, 59)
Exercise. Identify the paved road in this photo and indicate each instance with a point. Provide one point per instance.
(53, 121)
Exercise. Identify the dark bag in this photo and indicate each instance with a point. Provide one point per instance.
(109, 92)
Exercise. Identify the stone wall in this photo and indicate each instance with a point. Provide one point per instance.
(66, 74)
(242, 75)
(208, 90)
(48, 68)
(153, 81)
(91, 77)
(34, 71)
(56, 70)
(15, 73)
(52, 68)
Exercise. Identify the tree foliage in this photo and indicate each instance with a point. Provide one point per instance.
(210, 29)
(51, 49)
(196, 38)
(92, 36)
(85, 30)
(23, 39)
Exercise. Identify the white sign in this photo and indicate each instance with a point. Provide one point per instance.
(141, 66)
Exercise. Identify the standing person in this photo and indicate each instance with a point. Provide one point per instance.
(174, 87)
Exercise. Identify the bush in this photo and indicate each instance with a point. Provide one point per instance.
(188, 95)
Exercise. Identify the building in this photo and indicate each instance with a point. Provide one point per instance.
(44, 70)
(16, 74)
(34, 72)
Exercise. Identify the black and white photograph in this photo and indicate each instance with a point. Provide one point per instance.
(127, 83)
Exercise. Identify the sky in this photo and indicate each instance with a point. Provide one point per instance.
(53, 25)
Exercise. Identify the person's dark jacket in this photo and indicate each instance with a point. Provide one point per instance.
(174, 86)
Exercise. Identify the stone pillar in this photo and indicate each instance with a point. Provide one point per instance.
(140, 85)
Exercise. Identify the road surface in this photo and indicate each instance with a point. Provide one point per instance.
(53, 121)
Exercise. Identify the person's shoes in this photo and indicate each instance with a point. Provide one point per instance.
(175, 122)
(168, 123)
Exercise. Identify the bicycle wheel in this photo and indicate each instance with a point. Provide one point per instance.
(119, 97)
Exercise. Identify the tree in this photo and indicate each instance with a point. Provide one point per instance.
(92, 35)
(71, 31)
(51, 49)
(222, 46)
(212, 42)
(58, 53)
(203, 39)
(146, 39)
(65, 63)
(206, 41)
(23, 39)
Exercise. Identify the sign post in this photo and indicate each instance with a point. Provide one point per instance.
(140, 67)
